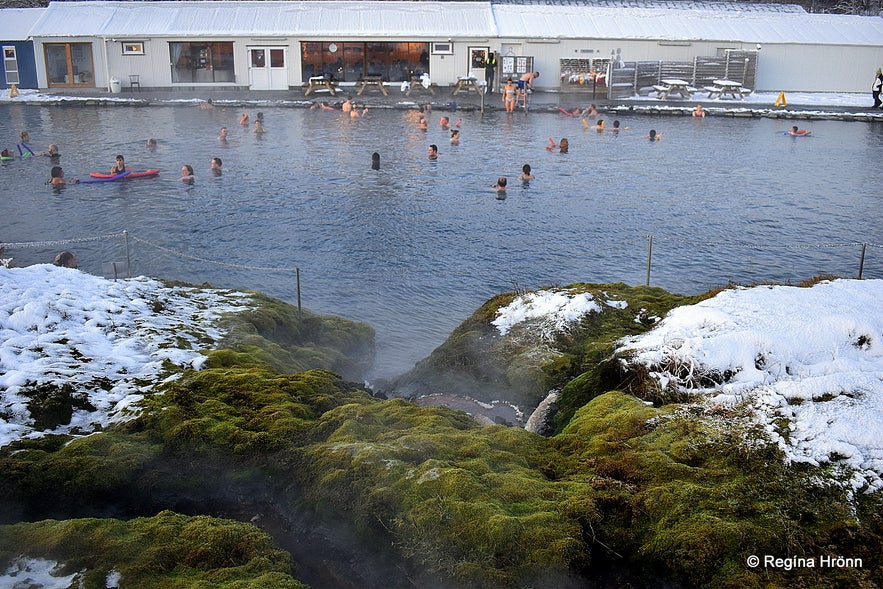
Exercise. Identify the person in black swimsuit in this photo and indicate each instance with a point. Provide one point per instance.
(120, 166)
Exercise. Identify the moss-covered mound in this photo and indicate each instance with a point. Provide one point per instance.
(692, 494)
(523, 365)
(279, 336)
(625, 494)
(167, 551)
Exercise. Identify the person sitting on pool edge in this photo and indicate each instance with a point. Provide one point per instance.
(65, 259)
(56, 177)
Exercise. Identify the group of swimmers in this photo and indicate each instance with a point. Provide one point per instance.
(56, 174)
(24, 150)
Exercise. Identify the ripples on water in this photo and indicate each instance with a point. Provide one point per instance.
(414, 248)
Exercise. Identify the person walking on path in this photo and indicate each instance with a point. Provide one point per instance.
(877, 87)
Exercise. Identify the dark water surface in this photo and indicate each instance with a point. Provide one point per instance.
(415, 247)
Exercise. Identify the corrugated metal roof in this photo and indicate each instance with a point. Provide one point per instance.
(16, 23)
(411, 20)
(580, 22)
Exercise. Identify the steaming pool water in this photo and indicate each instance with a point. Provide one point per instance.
(414, 248)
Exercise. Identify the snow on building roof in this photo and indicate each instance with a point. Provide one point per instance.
(562, 19)
(687, 24)
(16, 23)
(411, 20)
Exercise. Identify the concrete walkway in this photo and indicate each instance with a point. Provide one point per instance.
(761, 105)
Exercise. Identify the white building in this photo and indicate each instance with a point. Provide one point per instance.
(279, 45)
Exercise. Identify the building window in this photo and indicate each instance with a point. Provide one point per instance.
(69, 64)
(10, 63)
(196, 63)
(133, 48)
(349, 62)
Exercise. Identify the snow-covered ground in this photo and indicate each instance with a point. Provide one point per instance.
(811, 358)
(824, 101)
(808, 357)
(109, 339)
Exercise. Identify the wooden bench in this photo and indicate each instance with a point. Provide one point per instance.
(713, 91)
(320, 83)
(661, 91)
(372, 81)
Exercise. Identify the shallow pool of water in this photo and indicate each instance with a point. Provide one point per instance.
(415, 247)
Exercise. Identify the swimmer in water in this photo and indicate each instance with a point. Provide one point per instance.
(57, 177)
(526, 176)
(797, 132)
(119, 167)
(563, 146)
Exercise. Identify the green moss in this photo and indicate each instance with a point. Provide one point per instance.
(466, 501)
(694, 492)
(167, 550)
(476, 361)
(275, 334)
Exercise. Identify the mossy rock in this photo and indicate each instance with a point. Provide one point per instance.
(277, 335)
(166, 551)
(521, 367)
(691, 493)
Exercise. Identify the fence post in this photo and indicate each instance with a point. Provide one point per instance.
(300, 313)
(649, 256)
(128, 258)
(861, 264)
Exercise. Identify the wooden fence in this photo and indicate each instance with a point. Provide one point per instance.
(628, 78)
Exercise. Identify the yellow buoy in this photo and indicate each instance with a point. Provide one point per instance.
(780, 101)
(13, 91)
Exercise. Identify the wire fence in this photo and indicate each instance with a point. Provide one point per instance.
(861, 253)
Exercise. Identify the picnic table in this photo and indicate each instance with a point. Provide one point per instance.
(321, 83)
(467, 83)
(375, 82)
(722, 88)
(417, 82)
(671, 86)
